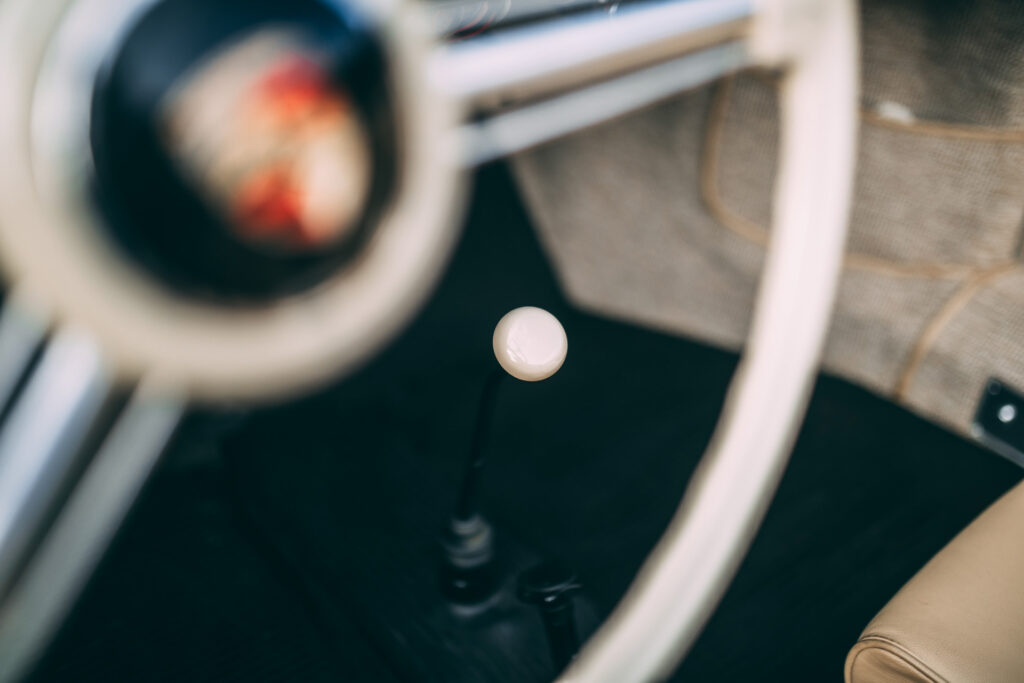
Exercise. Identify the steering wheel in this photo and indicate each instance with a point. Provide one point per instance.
(100, 292)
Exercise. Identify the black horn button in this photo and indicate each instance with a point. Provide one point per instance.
(243, 151)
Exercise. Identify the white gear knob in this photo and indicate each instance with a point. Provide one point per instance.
(530, 343)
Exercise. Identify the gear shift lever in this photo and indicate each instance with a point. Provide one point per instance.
(529, 344)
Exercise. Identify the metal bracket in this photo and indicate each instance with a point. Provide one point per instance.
(999, 422)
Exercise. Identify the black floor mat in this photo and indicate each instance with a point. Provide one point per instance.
(284, 560)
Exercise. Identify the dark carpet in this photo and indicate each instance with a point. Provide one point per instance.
(297, 543)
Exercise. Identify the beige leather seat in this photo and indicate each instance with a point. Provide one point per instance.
(961, 618)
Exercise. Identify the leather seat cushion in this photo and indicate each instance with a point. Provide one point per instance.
(961, 618)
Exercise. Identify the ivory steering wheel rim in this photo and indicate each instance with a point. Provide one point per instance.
(217, 357)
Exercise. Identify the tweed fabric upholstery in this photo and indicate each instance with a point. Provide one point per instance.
(662, 218)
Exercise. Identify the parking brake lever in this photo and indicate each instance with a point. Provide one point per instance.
(550, 588)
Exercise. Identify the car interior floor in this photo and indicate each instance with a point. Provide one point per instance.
(299, 542)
